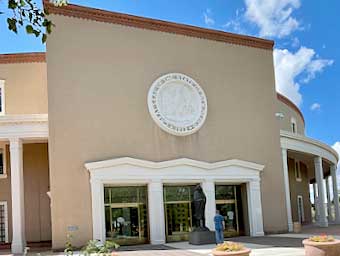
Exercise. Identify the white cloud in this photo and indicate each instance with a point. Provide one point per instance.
(273, 17)
(336, 146)
(290, 66)
(315, 106)
(208, 20)
(236, 24)
(315, 67)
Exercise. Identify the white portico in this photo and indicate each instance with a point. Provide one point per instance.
(322, 161)
(16, 130)
(130, 171)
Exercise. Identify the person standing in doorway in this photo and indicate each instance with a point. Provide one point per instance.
(219, 227)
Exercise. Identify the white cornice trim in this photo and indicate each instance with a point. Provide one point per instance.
(302, 143)
(33, 126)
(19, 119)
(172, 163)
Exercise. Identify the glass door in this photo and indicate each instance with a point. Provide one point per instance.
(178, 212)
(226, 203)
(126, 215)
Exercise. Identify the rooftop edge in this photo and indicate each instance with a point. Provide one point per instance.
(99, 15)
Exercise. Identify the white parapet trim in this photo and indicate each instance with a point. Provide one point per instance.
(131, 171)
(172, 163)
(307, 145)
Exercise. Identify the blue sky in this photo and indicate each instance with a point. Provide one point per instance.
(307, 52)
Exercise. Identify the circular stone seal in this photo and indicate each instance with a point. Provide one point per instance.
(177, 104)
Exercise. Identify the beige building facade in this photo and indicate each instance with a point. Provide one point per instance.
(97, 163)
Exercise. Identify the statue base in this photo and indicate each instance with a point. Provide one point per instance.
(202, 236)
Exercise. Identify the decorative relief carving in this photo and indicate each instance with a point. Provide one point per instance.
(177, 104)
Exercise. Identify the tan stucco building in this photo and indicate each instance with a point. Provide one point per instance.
(107, 135)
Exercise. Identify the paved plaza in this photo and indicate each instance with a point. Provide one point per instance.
(261, 246)
(278, 245)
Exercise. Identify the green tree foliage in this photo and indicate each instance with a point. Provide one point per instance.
(26, 14)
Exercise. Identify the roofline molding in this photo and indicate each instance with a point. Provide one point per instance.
(289, 103)
(30, 57)
(82, 12)
(304, 144)
(172, 163)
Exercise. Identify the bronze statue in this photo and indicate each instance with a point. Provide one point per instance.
(201, 234)
(199, 208)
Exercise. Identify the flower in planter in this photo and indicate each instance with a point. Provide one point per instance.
(94, 247)
(322, 238)
(230, 247)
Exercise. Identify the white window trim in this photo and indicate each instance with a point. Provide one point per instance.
(3, 148)
(135, 171)
(293, 124)
(299, 197)
(4, 203)
(3, 104)
(297, 171)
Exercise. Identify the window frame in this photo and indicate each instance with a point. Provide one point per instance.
(297, 171)
(300, 197)
(4, 161)
(293, 125)
(2, 95)
(4, 203)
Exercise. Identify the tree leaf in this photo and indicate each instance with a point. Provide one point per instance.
(36, 32)
(12, 4)
(12, 24)
(44, 38)
(29, 29)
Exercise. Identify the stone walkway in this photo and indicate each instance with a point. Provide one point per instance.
(278, 245)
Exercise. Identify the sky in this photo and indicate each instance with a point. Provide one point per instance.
(306, 54)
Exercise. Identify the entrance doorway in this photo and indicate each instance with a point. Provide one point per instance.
(178, 212)
(228, 202)
(126, 217)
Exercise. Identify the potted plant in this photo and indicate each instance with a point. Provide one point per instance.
(322, 245)
(231, 249)
(96, 248)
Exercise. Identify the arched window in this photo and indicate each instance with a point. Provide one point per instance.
(293, 125)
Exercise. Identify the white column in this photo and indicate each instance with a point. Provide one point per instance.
(315, 193)
(329, 202)
(255, 208)
(17, 186)
(322, 222)
(98, 210)
(287, 189)
(156, 212)
(335, 193)
(208, 187)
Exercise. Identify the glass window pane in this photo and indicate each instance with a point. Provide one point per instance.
(124, 195)
(107, 195)
(2, 224)
(177, 193)
(1, 162)
(224, 192)
(126, 214)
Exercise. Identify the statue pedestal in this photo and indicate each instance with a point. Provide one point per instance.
(202, 236)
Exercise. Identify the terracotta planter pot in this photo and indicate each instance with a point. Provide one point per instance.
(321, 248)
(244, 252)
